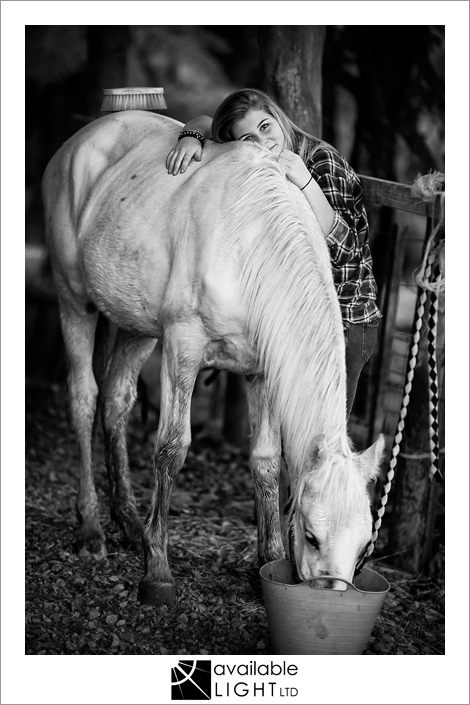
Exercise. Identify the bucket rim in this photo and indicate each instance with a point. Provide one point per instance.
(309, 582)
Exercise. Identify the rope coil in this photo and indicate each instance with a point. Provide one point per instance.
(429, 279)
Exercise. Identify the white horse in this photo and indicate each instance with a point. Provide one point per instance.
(226, 263)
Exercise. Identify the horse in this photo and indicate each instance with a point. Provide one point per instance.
(227, 265)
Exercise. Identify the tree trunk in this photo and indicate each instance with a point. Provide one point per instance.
(291, 61)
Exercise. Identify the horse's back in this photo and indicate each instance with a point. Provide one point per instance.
(153, 243)
(139, 243)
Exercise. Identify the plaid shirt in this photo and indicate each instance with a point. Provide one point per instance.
(348, 240)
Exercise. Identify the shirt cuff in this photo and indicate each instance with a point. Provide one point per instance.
(339, 229)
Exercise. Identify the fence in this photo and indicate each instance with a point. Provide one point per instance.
(415, 501)
(379, 396)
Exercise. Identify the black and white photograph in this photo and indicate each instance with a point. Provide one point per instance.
(234, 355)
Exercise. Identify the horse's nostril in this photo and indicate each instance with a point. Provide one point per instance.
(324, 583)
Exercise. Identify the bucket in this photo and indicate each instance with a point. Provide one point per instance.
(303, 619)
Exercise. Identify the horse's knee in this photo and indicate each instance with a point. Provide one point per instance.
(171, 453)
(265, 467)
(116, 406)
(269, 459)
(83, 398)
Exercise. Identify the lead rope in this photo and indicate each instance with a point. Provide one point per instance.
(434, 472)
(427, 280)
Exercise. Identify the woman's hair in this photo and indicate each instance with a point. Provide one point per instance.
(235, 106)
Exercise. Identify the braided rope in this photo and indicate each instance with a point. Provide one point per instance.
(434, 472)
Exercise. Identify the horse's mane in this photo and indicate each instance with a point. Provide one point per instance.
(293, 311)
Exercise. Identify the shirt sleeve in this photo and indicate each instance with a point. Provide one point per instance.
(333, 181)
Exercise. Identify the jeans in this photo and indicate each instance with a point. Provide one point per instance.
(360, 339)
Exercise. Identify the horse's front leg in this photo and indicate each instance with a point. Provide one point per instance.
(180, 366)
(265, 460)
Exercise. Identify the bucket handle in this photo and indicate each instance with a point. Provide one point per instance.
(332, 577)
(343, 580)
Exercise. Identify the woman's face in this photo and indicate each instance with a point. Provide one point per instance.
(259, 126)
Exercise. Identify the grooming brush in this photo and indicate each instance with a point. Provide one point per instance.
(133, 99)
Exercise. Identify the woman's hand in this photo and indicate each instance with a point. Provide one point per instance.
(295, 168)
(181, 155)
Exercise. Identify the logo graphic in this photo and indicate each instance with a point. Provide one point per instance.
(191, 680)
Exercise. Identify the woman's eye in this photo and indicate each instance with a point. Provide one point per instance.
(311, 539)
(264, 125)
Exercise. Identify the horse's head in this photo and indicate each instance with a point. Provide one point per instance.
(331, 520)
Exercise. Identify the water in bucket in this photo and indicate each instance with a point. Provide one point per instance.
(310, 620)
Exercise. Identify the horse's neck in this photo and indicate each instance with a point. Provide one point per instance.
(293, 315)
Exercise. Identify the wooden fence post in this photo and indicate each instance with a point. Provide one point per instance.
(412, 486)
(415, 496)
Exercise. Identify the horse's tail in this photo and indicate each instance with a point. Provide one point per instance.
(293, 313)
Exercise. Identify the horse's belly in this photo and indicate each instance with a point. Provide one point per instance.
(128, 290)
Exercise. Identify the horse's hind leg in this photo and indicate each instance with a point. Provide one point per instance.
(265, 459)
(78, 332)
(118, 393)
(182, 353)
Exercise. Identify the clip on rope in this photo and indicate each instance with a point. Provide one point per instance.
(429, 279)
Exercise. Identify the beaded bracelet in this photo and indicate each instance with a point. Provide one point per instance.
(307, 183)
(193, 133)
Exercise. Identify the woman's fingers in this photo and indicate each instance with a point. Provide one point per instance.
(295, 169)
(180, 156)
(170, 159)
(196, 155)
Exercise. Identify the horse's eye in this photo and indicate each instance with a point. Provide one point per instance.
(311, 539)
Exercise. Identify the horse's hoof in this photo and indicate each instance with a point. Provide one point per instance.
(90, 544)
(157, 593)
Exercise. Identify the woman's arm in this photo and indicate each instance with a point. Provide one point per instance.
(189, 148)
(201, 122)
(297, 172)
(317, 201)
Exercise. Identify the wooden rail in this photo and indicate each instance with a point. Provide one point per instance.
(394, 195)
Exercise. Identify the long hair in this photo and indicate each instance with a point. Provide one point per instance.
(235, 106)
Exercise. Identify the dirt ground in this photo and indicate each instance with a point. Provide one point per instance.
(77, 606)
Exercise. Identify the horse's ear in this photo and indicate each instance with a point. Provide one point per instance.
(319, 450)
(371, 459)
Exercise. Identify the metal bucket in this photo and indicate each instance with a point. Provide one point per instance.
(303, 619)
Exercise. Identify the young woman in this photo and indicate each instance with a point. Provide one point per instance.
(333, 191)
